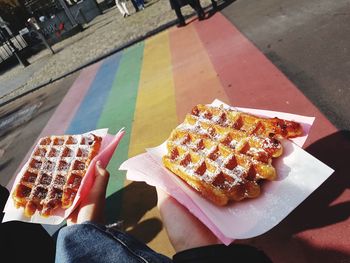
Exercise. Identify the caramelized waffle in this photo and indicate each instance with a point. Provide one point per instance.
(251, 124)
(54, 173)
(224, 154)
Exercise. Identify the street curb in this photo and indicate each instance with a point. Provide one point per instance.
(113, 51)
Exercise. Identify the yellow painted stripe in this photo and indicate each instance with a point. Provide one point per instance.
(155, 113)
(154, 118)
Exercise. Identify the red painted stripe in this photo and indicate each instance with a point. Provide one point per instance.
(250, 79)
(195, 78)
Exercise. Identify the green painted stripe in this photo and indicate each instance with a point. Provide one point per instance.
(118, 112)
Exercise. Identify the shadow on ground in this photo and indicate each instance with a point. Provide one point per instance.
(134, 200)
(328, 205)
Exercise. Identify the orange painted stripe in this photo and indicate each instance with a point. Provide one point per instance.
(195, 78)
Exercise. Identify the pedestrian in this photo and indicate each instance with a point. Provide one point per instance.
(215, 4)
(121, 4)
(135, 5)
(87, 239)
(195, 4)
(140, 4)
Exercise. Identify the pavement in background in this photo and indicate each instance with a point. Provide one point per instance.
(309, 42)
(100, 36)
(9, 85)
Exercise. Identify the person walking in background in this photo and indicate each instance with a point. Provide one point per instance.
(215, 3)
(140, 4)
(121, 4)
(195, 4)
(135, 5)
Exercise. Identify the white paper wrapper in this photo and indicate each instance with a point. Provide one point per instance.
(108, 146)
(299, 174)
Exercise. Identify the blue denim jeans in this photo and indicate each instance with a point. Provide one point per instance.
(89, 242)
(139, 3)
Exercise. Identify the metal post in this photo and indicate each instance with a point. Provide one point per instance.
(79, 12)
(4, 24)
(43, 39)
(68, 13)
(37, 29)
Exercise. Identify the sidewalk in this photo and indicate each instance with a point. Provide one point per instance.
(101, 36)
(10, 84)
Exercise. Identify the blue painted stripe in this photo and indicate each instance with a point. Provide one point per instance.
(88, 114)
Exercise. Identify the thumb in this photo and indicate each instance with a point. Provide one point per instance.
(92, 207)
(101, 179)
(97, 192)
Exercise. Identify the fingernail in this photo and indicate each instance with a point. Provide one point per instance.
(98, 163)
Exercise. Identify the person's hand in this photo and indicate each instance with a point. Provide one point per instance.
(92, 207)
(185, 231)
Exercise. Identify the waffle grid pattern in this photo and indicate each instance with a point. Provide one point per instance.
(223, 154)
(54, 173)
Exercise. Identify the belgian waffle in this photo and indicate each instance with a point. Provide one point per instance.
(251, 124)
(54, 173)
(223, 154)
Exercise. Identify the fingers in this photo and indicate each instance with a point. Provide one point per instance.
(178, 222)
(92, 207)
(98, 190)
(73, 217)
(101, 170)
(101, 178)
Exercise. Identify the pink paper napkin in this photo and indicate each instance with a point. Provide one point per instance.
(108, 146)
(252, 217)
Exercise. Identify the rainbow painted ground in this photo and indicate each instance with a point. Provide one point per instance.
(149, 87)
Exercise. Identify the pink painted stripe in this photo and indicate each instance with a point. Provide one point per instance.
(194, 77)
(250, 79)
(65, 112)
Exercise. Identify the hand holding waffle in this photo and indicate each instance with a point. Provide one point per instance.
(178, 222)
(92, 206)
(54, 173)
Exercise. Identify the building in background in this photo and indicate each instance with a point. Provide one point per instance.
(15, 13)
(55, 20)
